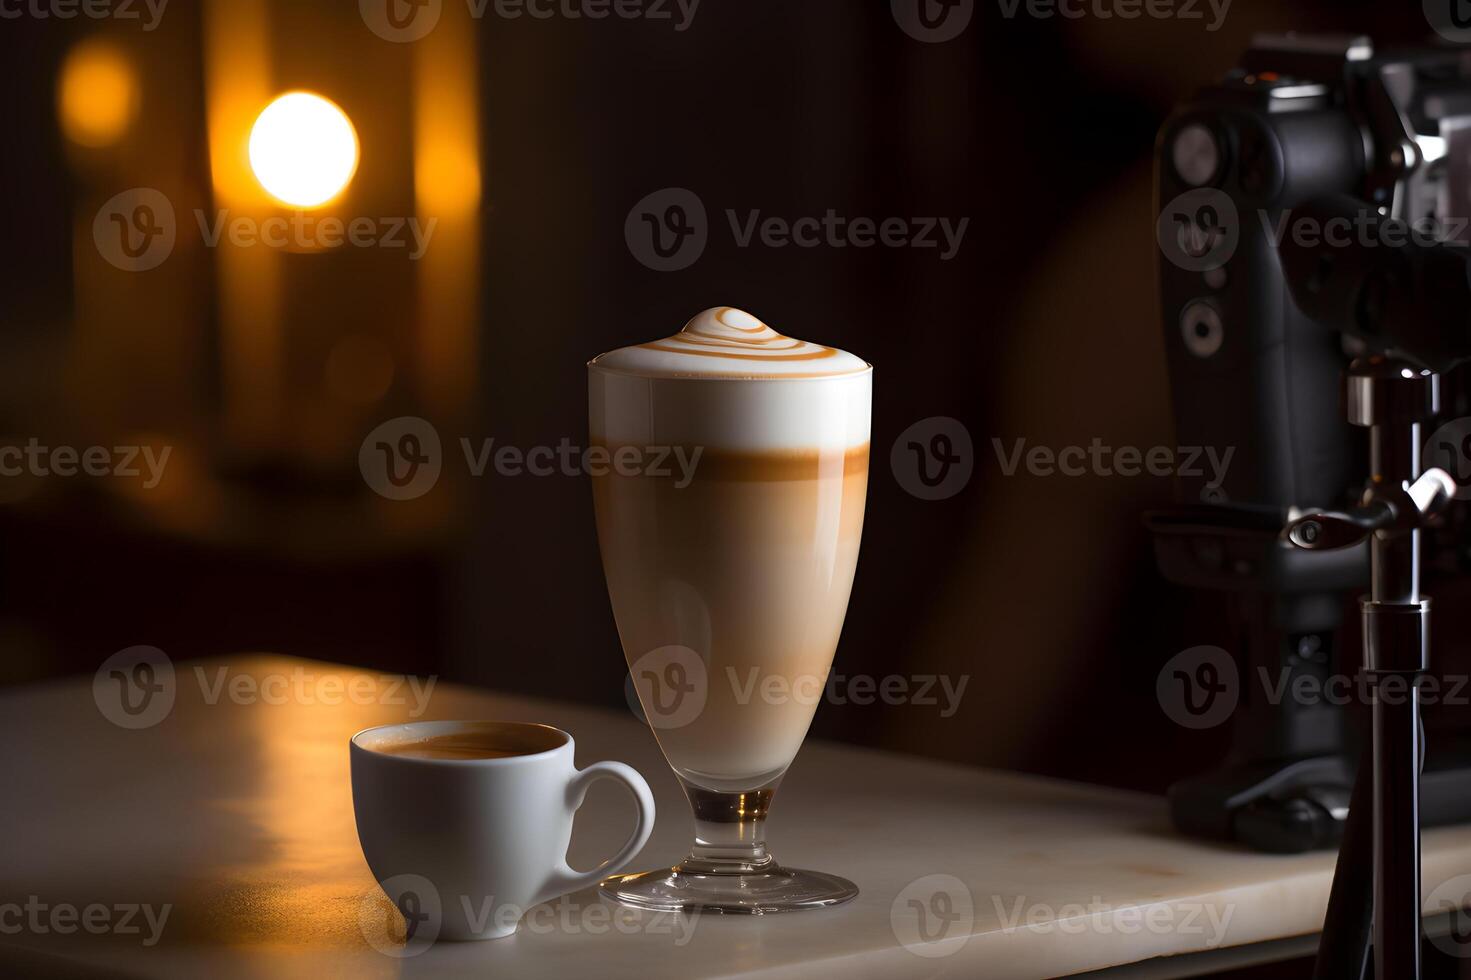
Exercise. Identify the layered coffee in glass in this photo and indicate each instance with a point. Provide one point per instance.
(729, 518)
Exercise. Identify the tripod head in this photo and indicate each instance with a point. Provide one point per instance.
(1397, 287)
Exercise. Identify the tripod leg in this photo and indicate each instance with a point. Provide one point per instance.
(1392, 398)
(1397, 821)
(1343, 950)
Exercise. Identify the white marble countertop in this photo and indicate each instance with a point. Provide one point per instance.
(233, 813)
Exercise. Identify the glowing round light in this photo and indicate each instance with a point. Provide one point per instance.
(303, 149)
(97, 94)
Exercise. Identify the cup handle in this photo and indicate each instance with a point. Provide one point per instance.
(563, 879)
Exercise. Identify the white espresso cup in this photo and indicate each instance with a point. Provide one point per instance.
(464, 846)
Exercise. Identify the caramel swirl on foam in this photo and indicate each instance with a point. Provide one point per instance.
(726, 342)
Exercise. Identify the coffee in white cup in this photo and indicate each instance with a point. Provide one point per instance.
(465, 824)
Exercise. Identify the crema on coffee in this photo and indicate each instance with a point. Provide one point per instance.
(749, 566)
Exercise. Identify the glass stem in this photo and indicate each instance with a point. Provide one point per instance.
(730, 831)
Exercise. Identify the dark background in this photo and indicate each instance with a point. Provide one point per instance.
(1044, 327)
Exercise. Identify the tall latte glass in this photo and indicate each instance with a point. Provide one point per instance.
(729, 518)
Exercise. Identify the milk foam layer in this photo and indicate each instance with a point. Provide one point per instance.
(728, 381)
(724, 342)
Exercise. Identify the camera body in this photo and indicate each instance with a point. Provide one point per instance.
(1266, 294)
(1302, 119)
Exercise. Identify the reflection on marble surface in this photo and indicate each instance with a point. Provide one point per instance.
(238, 817)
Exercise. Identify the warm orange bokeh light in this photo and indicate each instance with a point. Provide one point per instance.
(303, 149)
(97, 94)
(446, 177)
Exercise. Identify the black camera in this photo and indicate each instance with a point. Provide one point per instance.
(1312, 208)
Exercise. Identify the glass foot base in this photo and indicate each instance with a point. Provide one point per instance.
(772, 889)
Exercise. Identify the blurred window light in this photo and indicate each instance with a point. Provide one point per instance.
(446, 176)
(303, 149)
(97, 94)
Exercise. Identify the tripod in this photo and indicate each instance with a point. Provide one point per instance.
(1391, 398)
